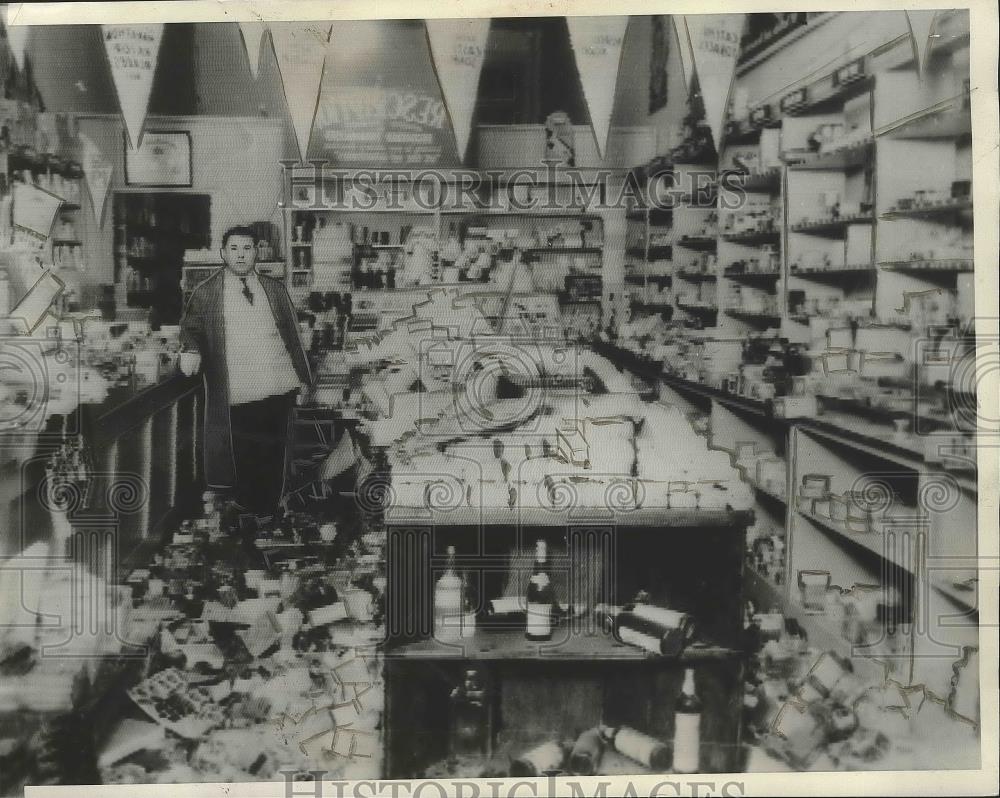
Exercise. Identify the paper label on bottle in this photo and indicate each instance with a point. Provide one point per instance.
(670, 618)
(541, 581)
(635, 638)
(635, 745)
(687, 736)
(507, 604)
(448, 598)
(545, 758)
(539, 620)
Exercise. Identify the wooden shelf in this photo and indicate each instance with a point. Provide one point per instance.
(655, 253)
(563, 250)
(752, 277)
(833, 273)
(656, 307)
(758, 317)
(965, 599)
(778, 497)
(554, 213)
(853, 156)
(866, 540)
(511, 644)
(945, 266)
(932, 210)
(703, 309)
(696, 277)
(656, 216)
(646, 516)
(699, 243)
(746, 133)
(641, 278)
(771, 39)
(767, 181)
(950, 123)
(831, 227)
(830, 91)
(754, 238)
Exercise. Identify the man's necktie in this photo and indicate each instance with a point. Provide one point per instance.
(246, 290)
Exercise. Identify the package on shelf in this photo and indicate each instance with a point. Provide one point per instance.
(769, 473)
(857, 247)
(953, 449)
(770, 148)
(803, 406)
(884, 365)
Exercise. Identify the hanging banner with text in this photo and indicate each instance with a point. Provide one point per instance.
(715, 45)
(597, 45)
(458, 47)
(17, 39)
(684, 48)
(97, 171)
(921, 23)
(381, 104)
(133, 51)
(300, 48)
(252, 33)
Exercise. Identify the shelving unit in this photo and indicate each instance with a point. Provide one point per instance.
(751, 245)
(402, 245)
(893, 517)
(530, 685)
(152, 232)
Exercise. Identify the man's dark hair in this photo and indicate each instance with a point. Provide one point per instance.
(239, 230)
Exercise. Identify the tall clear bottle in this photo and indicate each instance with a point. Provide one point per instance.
(643, 748)
(448, 602)
(540, 598)
(687, 727)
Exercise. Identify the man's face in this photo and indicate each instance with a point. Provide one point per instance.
(239, 254)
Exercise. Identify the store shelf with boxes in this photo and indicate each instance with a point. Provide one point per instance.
(849, 541)
(830, 185)
(405, 245)
(695, 245)
(751, 207)
(924, 247)
(649, 272)
(63, 250)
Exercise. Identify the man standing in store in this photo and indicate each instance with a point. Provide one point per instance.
(244, 326)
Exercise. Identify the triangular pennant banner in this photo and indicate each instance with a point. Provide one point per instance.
(715, 45)
(97, 171)
(684, 48)
(252, 33)
(597, 45)
(133, 51)
(17, 38)
(458, 47)
(300, 48)
(921, 23)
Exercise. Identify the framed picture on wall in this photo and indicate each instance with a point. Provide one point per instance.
(659, 51)
(163, 159)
